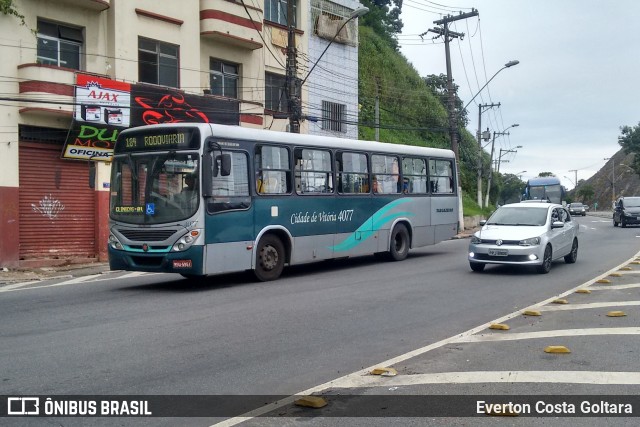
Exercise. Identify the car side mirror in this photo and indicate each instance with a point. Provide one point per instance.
(557, 224)
(483, 222)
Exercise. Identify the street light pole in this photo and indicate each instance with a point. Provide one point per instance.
(486, 197)
(294, 86)
(481, 136)
(499, 160)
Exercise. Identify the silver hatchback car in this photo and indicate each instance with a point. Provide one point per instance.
(525, 234)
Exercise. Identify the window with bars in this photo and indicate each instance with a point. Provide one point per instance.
(158, 62)
(223, 78)
(275, 96)
(59, 45)
(276, 11)
(334, 116)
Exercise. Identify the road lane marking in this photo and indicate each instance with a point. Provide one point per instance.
(401, 358)
(589, 305)
(549, 334)
(77, 280)
(602, 288)
(473, 377)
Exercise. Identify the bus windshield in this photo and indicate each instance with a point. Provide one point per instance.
(154, 188)
(551, 192)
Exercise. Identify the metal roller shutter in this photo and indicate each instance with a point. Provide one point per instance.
(57, 207)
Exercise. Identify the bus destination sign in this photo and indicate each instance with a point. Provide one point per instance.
(175, 139)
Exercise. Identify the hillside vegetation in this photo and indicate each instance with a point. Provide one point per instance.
(411, 112)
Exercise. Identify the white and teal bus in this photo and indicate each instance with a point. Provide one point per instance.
(261, 200)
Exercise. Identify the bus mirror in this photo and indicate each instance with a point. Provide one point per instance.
(222, 165)
(92, 175)
(225, 164)
(207, 168)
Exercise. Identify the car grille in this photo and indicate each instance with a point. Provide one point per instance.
(504, 242)
(510, 258)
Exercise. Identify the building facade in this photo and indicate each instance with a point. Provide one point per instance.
(75, 72)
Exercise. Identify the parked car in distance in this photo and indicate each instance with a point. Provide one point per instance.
(626, 211)
(531, 234)
(577, 209)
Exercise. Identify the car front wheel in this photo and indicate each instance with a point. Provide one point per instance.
(547, 259)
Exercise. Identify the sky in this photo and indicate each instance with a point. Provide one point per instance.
(577, 83)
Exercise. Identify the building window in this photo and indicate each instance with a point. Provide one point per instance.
(59, 45)
(157, 62)
(223, 78)
(276, 11)
(275, 97)
(334, 116)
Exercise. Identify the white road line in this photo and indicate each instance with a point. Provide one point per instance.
(588, 305)
(605, 287)
(549, 334)
(558, 377)
(401, 358)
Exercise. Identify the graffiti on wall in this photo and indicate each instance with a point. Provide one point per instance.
(48, 206)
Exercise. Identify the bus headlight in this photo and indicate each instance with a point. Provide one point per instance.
(114, 242)
(186, 241)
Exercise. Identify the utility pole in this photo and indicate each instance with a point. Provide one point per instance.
(448, 36)
(293, 100)
(486, 197)
(481, 109)
(575, 181)
(377, 110)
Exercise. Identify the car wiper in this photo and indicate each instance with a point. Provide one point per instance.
(525, 224)
(498, 223)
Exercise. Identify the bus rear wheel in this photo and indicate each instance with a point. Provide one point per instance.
(399, 248)
(269, 258)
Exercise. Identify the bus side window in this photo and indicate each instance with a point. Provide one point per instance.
(353, 173)
(273, 173)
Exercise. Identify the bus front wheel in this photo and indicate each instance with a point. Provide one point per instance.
(399, 248)
(269, 258)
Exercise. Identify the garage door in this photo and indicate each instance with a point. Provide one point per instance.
(57, 207)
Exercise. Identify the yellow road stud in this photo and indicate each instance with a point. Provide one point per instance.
(616, 314)
(635, 262)
(603, 281)
(500, 326)
(386, 372)
(615, 275)
(560, 301)
(626, 269)
(583, 291)
(556, 349)
(311, 402)
(532, 313)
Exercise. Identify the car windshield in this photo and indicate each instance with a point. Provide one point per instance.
(632, 202)
(576, 205)
(521, 215)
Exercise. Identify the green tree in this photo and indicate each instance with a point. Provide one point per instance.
(8, 8)
(511, 188)
(384, 18)
(586, 193)
(630, 142)
(545, 174)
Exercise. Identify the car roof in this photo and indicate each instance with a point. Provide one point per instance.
(532, 204)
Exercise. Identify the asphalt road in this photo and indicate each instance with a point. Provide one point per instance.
(144, 334)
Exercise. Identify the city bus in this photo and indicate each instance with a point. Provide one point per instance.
(263, 200)
(544, 189)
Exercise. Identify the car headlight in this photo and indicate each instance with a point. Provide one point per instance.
(476, 240)
(186, 241)
(530, 242)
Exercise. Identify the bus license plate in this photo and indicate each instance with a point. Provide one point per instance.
(498, 252)
(182, 263)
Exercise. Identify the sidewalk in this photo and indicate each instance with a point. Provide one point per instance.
(19, 275)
